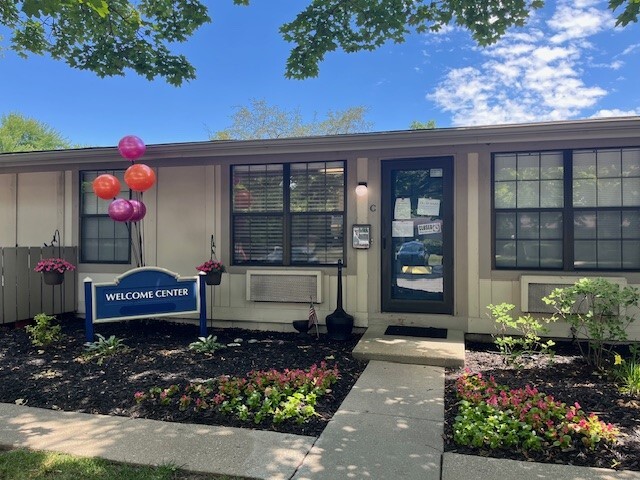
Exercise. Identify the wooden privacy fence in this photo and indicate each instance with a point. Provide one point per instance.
(23, 294)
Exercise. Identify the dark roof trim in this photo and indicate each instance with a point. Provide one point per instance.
(623, 127)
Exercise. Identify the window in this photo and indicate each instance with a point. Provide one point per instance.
(299, 225)
(101, 239)
(567, 210)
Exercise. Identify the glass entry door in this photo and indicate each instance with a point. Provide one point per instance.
(417, 237)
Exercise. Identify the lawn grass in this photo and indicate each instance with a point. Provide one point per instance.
(23, 464)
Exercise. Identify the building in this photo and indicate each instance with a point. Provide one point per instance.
(451, 219)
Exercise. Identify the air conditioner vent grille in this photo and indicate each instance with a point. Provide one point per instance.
(298, 287)
(537, 291)
(533, 288)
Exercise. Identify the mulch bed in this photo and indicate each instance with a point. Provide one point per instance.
(59, 378)
(569, 379)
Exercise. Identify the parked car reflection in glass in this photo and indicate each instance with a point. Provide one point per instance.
(412, 254)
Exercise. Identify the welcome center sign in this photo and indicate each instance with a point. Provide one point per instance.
(143, 293)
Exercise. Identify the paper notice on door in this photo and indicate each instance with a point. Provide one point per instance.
(401, 229)
(428, 206)
(402, 210)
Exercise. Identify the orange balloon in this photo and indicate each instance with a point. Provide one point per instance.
(139, 177)
(106, 186)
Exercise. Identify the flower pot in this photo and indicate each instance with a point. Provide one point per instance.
(301, 325)
(213, 278)
(53, 278)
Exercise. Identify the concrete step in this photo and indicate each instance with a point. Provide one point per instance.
(375, 345)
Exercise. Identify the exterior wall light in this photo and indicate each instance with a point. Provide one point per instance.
(361, 189)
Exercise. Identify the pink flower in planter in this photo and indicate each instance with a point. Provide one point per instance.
(54, 265)
(212, 266)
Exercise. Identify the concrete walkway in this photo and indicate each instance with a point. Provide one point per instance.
(389, 427)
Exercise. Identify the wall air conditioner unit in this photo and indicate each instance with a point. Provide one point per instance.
(534, 287)
(292, 286)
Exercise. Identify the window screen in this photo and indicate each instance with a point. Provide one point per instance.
(102, 240)
(288, 214)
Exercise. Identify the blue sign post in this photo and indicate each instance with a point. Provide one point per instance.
(142, 293)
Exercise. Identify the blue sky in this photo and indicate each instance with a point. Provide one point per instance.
(569, 62)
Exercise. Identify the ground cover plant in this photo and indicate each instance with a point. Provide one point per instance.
(497, 412)
(158, 361)
(103, 347)
(269, 394)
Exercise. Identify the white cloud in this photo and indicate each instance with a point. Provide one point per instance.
(630, 49)
(529, 76)
(616, 112)
(614, 65)
(577, 21)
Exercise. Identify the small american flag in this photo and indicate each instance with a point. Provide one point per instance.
(313, 318)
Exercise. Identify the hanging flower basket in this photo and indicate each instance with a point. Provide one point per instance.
(213, 270)
(213, 278)
(53, 269)
(53, 278)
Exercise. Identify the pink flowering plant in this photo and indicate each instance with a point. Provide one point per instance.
(54, 265)
(212, 266)
(494, 416)
(261, 395)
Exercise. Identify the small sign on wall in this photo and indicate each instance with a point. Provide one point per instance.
(362, 236)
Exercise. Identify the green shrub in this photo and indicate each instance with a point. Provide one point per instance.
(104, 347)
(44, 333)
(529, 341)
(206, 345)
(596, 311)
(494, 416)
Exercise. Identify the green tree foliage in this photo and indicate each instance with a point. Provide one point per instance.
(418, 125)
(261, 120)
(107, 36)
(23, 134)
(326, 25)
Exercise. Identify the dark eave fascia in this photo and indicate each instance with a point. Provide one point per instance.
(224, 151)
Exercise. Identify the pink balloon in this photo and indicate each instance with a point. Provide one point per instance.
(131, 147)
(120, 210)
(139, 210)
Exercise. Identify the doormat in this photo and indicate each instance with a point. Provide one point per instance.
(426, 332)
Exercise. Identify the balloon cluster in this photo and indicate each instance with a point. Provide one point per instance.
(138, 177)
